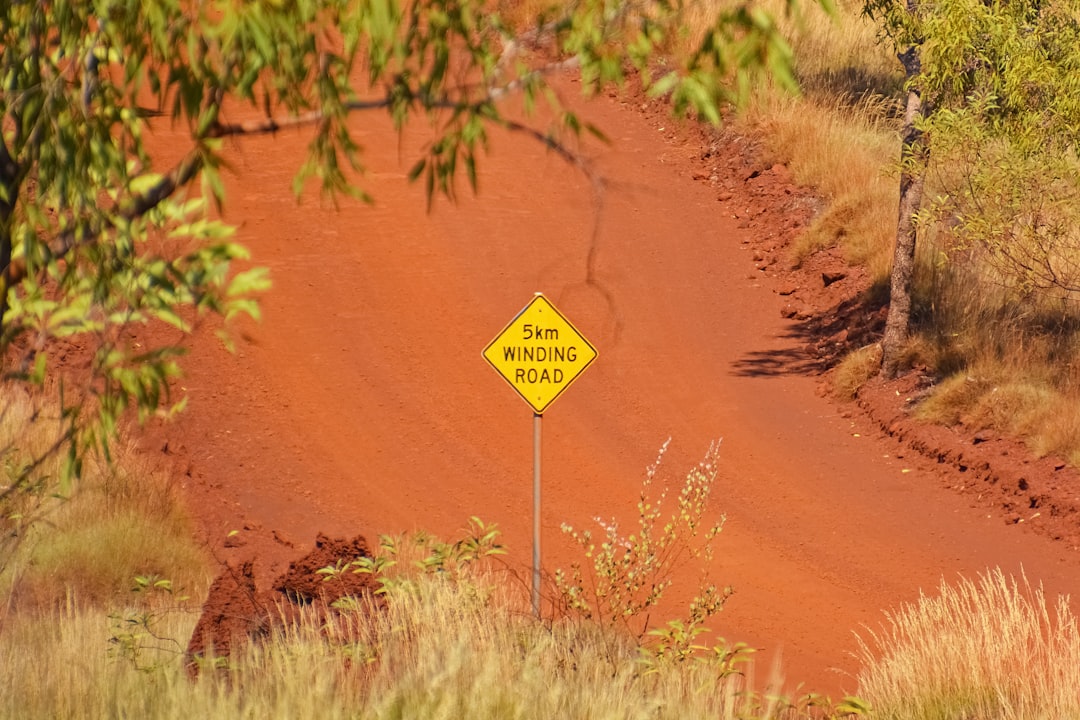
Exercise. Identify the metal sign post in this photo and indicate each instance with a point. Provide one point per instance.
(537, 418)
(539, 353)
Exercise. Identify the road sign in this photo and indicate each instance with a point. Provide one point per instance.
(539, 353)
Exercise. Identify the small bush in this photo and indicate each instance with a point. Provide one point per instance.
(624, 576)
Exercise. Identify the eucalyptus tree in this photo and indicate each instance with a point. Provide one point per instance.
(993, 90)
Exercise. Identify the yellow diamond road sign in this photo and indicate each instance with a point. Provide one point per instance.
(539, 353)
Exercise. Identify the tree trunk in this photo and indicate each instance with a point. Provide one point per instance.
(913, 158)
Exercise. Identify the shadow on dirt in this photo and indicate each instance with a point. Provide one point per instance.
(820, 339)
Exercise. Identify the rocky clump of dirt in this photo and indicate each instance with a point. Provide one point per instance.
(236, 611)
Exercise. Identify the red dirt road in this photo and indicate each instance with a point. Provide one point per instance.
(361, 403)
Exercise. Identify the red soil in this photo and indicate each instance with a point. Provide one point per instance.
(361, 403)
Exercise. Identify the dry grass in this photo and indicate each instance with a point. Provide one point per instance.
(1008, 361)
(840, 56)
(841, 150)
(455, 645)
(989, 649)
(458, 644)
(995, 396)
(117, 523)
(448, 646)
(855, 370)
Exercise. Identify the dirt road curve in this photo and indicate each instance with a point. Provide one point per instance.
(362, 404)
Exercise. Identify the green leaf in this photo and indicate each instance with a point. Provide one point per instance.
(255, 280)
(37, 375)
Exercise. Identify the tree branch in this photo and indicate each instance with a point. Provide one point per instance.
(270, 125)
(497, 93)
(184, 172)
(9, 183)
(189, 167)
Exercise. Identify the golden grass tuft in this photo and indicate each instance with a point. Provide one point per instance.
(991, 393)
(855, 370)
(988, 648)
(1060, 434)
(841, 151)
(115, 527)
(994, 395)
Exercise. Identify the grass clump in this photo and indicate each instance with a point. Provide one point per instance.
(990, 396)
(91, 539)
(991, 648)
(838, 148)
(855, 370)
(985, 398)
(121, 523)
(117, 525)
